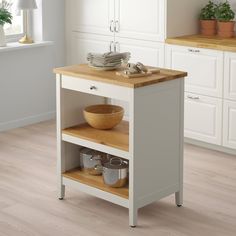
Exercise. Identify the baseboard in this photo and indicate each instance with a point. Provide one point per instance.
(210, 146)
(27, 121)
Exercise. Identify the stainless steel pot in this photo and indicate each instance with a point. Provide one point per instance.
(115, 172)
(91, 159)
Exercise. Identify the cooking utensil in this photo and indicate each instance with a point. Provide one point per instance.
(103, 116)
(115, 172)
(91, 159)
(125, 74)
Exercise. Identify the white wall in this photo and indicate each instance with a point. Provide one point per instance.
(27, 84)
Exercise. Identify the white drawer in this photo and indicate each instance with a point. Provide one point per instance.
(96, 88)
(204, 67)
(203, 118)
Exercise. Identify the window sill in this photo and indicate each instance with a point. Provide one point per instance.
(19, 46)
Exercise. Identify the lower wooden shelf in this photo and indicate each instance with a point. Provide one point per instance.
(96, 182)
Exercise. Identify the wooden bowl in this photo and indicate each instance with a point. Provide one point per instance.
(103, 116)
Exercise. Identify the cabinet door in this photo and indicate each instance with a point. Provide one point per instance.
(204, 67)
(90, 16)
(230, 76)
(203, 118)
(149, 53)
(229, 124)
(81, 44)
(143, 19)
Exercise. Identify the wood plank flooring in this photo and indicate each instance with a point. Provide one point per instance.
(29, 206)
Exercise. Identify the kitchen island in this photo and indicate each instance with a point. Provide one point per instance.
(151, 139)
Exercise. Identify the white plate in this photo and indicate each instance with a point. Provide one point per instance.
(105, 68)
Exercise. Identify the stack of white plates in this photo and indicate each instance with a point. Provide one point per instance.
(107, 61)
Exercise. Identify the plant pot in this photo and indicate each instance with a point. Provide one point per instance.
(2, 37)
(226, 29)
(208, 27)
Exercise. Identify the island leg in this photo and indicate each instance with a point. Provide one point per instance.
(61, 192)
(179, 194)
(133, 217)
(179, 198)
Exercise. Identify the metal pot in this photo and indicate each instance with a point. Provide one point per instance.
(115, 172)
(91, 159)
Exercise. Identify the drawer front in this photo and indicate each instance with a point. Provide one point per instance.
(230, 76)
(204, 67)
(97, 88)
(229, 124)
(203, 118)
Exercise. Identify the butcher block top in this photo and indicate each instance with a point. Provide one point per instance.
(209, 42)
(85, 72)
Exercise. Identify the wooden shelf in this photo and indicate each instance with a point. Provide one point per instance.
(96, 182)
(116, 138)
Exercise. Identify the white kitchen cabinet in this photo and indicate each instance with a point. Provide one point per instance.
(230, 76)
(151, 20)
(203, 118)
(149, 53)
(229, 124)
(90, 16)
(81, 44)
(143, 20)
(204, 67)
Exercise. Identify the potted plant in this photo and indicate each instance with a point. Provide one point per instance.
(225, 16)
(207, 19)
(5, 17)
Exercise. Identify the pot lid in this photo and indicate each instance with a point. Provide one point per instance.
(116, 163)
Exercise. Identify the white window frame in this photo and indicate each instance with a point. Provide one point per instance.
(17, 37)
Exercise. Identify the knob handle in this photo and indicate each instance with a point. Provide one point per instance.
(93, 88)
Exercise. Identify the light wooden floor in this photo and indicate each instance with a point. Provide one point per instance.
(29, 207)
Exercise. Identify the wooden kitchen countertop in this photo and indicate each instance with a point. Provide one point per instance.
(85, 72)
(200, 41)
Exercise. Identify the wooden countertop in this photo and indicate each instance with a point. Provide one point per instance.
(85, 72)
(200, 41)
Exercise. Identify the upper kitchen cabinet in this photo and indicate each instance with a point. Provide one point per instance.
(205, 68)
(155, 20)
(91, 16)
(151, 20)
(230, 76)
(143, 19)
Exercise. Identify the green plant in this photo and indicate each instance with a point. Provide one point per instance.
(208, 12)
(5, 14)
(224, 12)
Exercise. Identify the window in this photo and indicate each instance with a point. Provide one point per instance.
(16, 30)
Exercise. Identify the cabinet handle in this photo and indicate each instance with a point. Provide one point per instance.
(112, 26)
(193, 97)
(111, 45)
(116, 47)
(93, 88)
(192, 50)
(117, 26)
